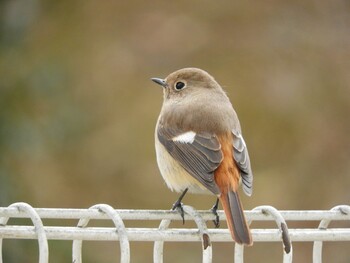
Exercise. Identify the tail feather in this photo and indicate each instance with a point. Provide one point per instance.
(235, 218)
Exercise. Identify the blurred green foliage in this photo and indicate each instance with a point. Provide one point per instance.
(77, 109)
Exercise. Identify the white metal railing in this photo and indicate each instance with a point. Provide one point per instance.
(164, 233)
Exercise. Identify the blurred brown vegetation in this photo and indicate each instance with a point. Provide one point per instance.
(77, 108)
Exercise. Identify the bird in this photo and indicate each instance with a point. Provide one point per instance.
(200, 147)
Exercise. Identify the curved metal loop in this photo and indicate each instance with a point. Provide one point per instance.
(282, 225)
(118, 222)
(317, 248)
(203, 230)
(38, 228)
(3, 222)
(158, 248)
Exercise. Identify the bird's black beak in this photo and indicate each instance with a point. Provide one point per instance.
(159, 82)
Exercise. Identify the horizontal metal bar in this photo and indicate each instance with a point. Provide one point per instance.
(60, 213)
(178, 235)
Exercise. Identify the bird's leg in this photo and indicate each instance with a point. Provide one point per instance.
(214, 210)
(178, 205)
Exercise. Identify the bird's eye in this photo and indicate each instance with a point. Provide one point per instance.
(179, 85)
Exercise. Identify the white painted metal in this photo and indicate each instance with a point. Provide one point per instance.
(163, 233)
(173, 234)
(203, 231)
(38, 229)
(317, 249)
(284, 234)
(122, 235)
(158, 247)
(60, 213)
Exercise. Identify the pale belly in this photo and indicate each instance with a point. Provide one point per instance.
(176, 177)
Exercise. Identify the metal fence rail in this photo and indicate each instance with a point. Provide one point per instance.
(163, 233)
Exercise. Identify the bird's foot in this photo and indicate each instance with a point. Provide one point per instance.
(178, 205)
(214, 210)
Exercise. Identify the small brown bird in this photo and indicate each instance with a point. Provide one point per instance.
(199, 145)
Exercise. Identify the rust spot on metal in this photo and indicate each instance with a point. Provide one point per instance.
(206, 241)
(285, 238)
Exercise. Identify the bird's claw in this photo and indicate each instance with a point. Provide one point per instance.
(214, 210)
(179, 207)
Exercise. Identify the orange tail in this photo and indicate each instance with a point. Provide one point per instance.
(235, 218)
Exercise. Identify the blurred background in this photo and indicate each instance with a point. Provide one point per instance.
(78, 109)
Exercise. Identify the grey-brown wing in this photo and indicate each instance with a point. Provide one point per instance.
(200, 156)
(241, 156)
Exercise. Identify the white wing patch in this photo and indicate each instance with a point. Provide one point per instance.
(187, 137)
(239, 136)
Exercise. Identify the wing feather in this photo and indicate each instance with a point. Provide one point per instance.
(199, 158)
(241, 156)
